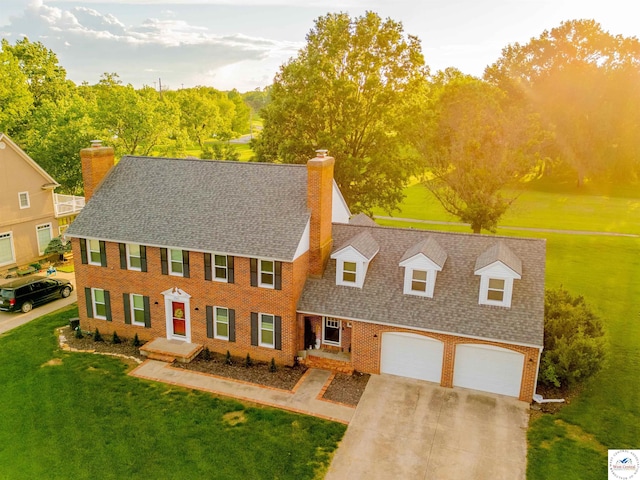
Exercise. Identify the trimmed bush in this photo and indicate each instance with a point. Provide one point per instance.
(206, 354)
(247, 361)
(115, 339)
(136, 341)
(227, 358)
(575, 342)
(97, 337)
(78, 333)
(272, 365)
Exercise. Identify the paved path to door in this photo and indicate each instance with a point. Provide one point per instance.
(304, 398)
(410, 429)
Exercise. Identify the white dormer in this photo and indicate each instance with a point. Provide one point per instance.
(421, 263)
(352, 260)
(497, 267)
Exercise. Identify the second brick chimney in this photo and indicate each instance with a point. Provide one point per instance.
(319, 196)
(96, 162)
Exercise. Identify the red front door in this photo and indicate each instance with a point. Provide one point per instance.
(179, 322)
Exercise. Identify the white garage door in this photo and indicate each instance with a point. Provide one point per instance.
(411, 355)
(488, 368)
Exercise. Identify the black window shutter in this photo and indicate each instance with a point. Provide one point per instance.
(254, 328)
(89, 300)
(123, 256)
(209, 321)
(185, 263)
(254, 272)
(127, 308)
(143, 258)
(107, 304)
(163, 261)
(147, 312)
(229, 269)
(103, 253)
(278, 275)
(83, 251)
(232, 325)
(277, 327)
(207, 266)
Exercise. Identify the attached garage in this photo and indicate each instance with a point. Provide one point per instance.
(411, 355)
(488, 368)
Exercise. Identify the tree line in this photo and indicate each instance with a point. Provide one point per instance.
(564, 105)
(52, 118)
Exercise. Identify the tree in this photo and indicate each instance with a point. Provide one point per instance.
(575, 342)
(349, 90)
(475, 145)
(59, 247)
(584, 83)
(15, 98)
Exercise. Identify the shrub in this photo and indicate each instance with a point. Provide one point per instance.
(97, 337)
(115, 339)
(227, 358)
(206, 354)
(575, 343)
(247, 361)
(78, 333)
(272, 365)
(136, 341)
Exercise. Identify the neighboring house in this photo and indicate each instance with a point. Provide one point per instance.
(263, 259)
(31, 214)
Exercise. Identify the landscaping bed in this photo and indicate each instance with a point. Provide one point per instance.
(347, 388)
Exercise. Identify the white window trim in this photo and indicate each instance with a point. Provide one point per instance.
(177, 295)
(272, 273)
(89, 251)
(95, 303)
(129, 266)
(266, 345)
(170, 261)
(133, 309)
(339, 327)
(43, 226)
(28, 205)
(498, 271)
(213, 268)
(215, 324)
(9, 235)
(430, 283)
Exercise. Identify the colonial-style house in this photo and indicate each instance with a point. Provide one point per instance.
(266, 260)
(31, 214)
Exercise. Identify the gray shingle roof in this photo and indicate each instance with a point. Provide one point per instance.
(430, 248)
(362, 219)
(454, 307)
(499, 252)
(247, 209)
(364, 243)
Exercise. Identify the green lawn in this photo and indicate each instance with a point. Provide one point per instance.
(606, 271)
(73, 415)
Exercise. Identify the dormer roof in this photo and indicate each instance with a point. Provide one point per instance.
(428, 247)
(363, 243)
(499, 252)
(362, 220)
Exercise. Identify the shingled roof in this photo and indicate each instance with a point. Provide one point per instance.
(499, 253)
(454, 308)
(363, 243)
(430, 249)
(239, 208)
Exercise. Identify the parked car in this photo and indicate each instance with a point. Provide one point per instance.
(25, 293)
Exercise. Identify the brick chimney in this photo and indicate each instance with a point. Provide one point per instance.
(96, 162)
(319, 195)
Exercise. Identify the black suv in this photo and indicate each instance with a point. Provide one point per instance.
(23, 294)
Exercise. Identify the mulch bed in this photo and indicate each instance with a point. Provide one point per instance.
(345, 389)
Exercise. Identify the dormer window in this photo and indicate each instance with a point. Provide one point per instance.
(352, 260)
(421, 263)
(497, 267)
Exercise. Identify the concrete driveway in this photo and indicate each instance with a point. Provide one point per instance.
(411, 429)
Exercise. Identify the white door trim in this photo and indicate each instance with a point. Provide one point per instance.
(177, 295)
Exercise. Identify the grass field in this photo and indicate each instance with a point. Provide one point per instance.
(73, 415)
(606, 271)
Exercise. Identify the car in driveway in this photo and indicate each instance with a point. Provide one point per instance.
(26, 293)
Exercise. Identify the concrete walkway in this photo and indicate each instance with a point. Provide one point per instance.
(304, 398)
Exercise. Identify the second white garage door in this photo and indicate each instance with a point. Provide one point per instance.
(411, 355)
(488, 368)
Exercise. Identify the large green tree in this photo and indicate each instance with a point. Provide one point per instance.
(584, 82)
(349, 90)
(15, 98)
(475, 145)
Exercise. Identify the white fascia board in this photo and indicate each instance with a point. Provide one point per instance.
(420, 262)
(498, 269)
(303, 245)
(340, 212)
(349, 254)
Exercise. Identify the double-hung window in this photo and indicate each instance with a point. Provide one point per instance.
(419, 281)
(43, 232)
(93, 247)
(495, 289)
(331, 332)
(134, 257)
(175, 262)
(221, 323)
(137, 309)
(266, 273)
(99, 303)
(6, 248)
(220, 268)
(349, 270)
(266, 330)
(23, 199)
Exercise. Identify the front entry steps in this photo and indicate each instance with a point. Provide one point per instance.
(170, 351)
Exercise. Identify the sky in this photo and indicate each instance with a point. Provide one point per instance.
(241, 44)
